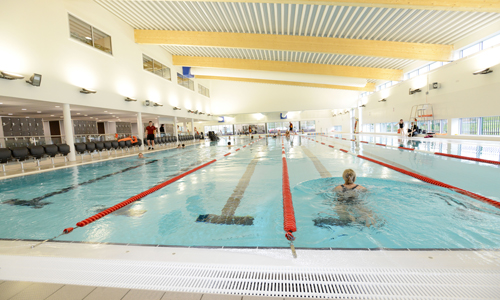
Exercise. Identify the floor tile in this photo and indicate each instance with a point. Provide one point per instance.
(221, 297)
(143, 295)
(181, 296)
(107, 293)
(71, 292)
(11, 288)
(37, 291)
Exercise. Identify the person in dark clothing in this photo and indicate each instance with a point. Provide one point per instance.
(151, 131)
(162, 130)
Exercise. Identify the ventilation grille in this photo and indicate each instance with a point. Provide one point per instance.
(258, 281)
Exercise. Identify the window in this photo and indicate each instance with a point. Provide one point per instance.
(155, 67)
(471, 50)
(203, 90)
(413, 74)
(337, 128)
(491, 41)
(435, 65)
(490, 125)
(469, 126)
(89, 35)
(308, 126)
(185, 82)
(423, 70)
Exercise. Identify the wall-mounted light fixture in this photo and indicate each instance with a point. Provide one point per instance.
(362, 105)
(157, 104)
(201, 113)
(10, 76)
(414, 91)
(35, 80)
(176, 108)
(128, 99)
(434, 86)
(209, 115)
(87, 91)
(483, 72)
(190, 111)
(383, 100)
(346, 112)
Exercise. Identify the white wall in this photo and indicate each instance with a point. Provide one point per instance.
(461, 94)
(35, 38)
(231, 97)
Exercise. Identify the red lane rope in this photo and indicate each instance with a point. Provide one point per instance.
(138, 196)
(289, 224)
(435, 182)
(344, 150)
(330, 146)
(469, 158)
(381, 144)
(404, 148)
(322, 143)
(364, 142)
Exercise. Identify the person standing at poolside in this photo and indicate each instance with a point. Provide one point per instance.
(291, 127)
(151, 131)
(162, 130)
(401, 127)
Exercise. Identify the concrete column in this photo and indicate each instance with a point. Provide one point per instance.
(140, 129)
(68, 132)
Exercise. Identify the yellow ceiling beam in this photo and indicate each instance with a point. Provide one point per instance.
(290, 67)
(453, 5)
(414, 51)
(370, 87)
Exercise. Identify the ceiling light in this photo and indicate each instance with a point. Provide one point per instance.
(176, 108)
(85, 115)
(35, 80)
(57, 106)
(61, 117)
(1, 103)
(38, 112)
(483, 72)
(130, 99)
(77, 113)
(87, 91)
(105, 111)
(383, 100)
(110, 113)
(10, 114)
(23, 108)
(91, 117)
(414, 91)
(51, 115)
(88, 38)
(10, 76)
(158, 104)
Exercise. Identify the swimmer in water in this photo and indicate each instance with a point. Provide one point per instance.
(229, 144)
(348, 207)
(140, 155)
(179, 146)
(183, 146)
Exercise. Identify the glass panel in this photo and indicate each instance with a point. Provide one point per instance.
(158, 68)
(444, 126)
(102, 41)
(413, 74)
(471, 50)
(80, 30)
(469, 125)
(179, 78)
(491, 42)
(166, 72)
(491, 125)
(147, 63)
(435, 65)
(423, 70)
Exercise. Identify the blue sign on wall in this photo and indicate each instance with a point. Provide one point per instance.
(221, 119)
(283, 116)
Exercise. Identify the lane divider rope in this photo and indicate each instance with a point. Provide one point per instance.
(135, 198)
(430, 152)
(429, 180)
(289, 224)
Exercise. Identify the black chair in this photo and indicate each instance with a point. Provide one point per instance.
(128, 144)
(80, 148)
(51, 151)
(108, 145)
(5, 156)
(37, 152)
(115, 144)
(138, 144)
(121, 145)
(90, 146)
(21, 154)
(64, 150)
(99, 147)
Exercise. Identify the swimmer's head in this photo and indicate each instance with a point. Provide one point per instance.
(141, 155)
(349, 176)
(401, 120)
(229, 143)
(183, 146)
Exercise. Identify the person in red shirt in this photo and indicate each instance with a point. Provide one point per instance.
(151, 131)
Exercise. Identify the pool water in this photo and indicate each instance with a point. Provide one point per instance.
(199, 210)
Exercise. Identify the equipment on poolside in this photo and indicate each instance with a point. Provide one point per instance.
(423, 113)
(133, 139)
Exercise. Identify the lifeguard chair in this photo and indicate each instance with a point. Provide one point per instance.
(423, 113)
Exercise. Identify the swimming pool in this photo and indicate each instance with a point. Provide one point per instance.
(398, 212)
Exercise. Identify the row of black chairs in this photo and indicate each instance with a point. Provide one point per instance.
(99, 147)
(21, 154)
(163, 140)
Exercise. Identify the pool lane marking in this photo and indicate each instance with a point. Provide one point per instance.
(317, 163)
(494, 162)
(289, 224)
(430, 180)
(227, 214)
(35, 201)
(130, 200)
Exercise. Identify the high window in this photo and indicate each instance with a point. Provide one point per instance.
(185, 82)
(203, 90)
(155, 67)
(480, 126)
(89, 35)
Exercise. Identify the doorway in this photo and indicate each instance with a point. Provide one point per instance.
(100, 128)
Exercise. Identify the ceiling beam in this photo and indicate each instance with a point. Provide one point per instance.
(370, 87)
(290, 67)
(452, 5)
(400, 50)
